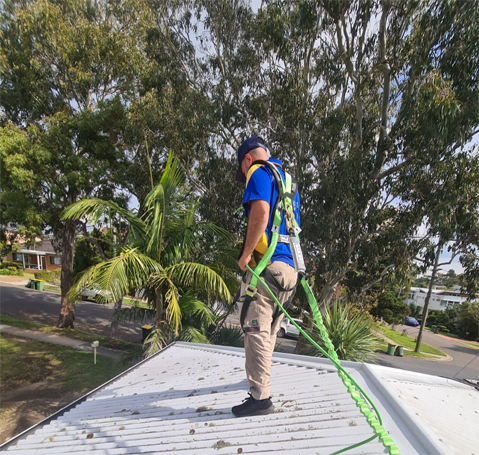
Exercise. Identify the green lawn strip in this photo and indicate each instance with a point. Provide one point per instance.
(56, 289)
(48, 362)
(71, 333)
(406, 341)
(384, 348)
(138, 303)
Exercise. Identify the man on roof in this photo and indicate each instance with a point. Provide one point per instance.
(260, 315)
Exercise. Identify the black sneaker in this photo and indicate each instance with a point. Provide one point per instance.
(252, 407)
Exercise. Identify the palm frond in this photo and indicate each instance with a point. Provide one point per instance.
(173, 311)
(199, 277)
(192, 335)
(116, 276)
(193, 308)
(154, 342)
(93, 209)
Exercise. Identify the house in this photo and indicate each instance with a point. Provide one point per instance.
(440, 298)
(179, 402)
(40, 256)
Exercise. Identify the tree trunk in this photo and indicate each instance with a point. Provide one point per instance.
(114, 322)
(428, 297)
(67, 311)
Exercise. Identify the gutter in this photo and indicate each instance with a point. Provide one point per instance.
(6, 445)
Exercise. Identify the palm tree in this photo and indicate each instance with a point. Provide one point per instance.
(174, 259)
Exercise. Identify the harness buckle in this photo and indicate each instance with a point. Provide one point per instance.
(251, 292)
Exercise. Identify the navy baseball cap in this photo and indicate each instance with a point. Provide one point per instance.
(251, 143)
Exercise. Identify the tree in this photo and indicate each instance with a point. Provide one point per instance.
(360, 99)
(390, 308)
(90, 251)
(67, 71)
(451, 199)
(159, 259)
(415, 311)
(468, 320)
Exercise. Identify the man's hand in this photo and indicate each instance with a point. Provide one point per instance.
(243, 261)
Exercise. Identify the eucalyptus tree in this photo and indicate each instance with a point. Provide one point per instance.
(177, 261)
(68, 73)
(361, 100)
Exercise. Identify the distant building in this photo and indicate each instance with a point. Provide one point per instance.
(40, 256)
(440, 298)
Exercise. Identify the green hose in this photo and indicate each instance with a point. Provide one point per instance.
(357, 393)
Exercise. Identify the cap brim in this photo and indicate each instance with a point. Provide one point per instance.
(240, 177)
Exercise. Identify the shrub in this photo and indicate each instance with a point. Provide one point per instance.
(8, 264)
(51, 277)
(350, 334)
(230, 336)
(7, 272)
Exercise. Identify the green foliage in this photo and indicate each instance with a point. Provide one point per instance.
(8, 272)
(415, 311)
(86, 252)
(368, 118)
(68, 73)
(468, 320)
(8, 264)
(51, 277)
(172, 256)
(390, 308)
(349, 333)
(230, 336)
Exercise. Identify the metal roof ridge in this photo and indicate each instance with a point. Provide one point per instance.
(423, 433)
(289, 359)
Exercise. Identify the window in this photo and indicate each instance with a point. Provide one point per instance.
(18, 257)
(55, 260)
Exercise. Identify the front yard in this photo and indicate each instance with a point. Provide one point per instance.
(37, 379)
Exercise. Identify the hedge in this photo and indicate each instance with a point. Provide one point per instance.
(8, 264)
(8, 272)
(51, 277)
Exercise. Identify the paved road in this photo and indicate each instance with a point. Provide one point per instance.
(465, 363)
(44, 307)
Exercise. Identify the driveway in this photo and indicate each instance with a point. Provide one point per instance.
(44, 307)
(464, 365)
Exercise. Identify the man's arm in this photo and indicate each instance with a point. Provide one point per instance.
(257, 221)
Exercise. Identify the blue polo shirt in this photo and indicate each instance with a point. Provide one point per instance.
(260, 185)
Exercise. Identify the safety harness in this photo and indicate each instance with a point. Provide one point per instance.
(284, 204)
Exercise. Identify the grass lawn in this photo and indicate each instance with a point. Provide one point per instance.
(49, 362)
(138, 303)
(37, 379)
(70, 333)
(56, 289)
(407, 342)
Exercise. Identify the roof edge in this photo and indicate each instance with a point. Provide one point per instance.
(422, 432)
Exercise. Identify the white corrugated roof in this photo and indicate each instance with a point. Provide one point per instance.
(180, 400)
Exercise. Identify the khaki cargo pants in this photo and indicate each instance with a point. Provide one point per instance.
(259, 332)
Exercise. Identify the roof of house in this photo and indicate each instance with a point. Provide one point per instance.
(45, 246)
(179, 401)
